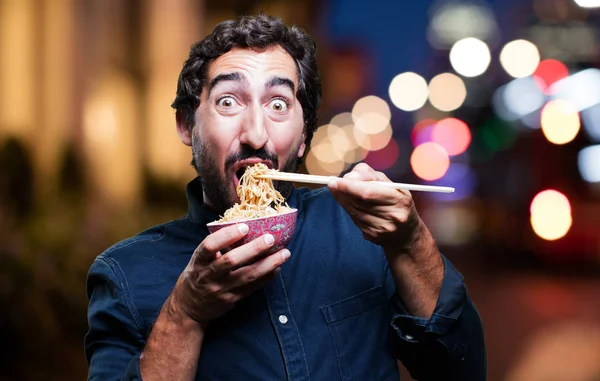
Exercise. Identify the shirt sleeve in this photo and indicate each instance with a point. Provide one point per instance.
(114, 340)
(450, 344)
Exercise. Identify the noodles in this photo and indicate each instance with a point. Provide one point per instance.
(258, 197)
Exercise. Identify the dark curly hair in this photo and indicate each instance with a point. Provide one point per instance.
(255, 32)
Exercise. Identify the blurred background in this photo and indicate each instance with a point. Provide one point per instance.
(498, 98)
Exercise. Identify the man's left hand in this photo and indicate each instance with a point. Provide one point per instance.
(385, 216)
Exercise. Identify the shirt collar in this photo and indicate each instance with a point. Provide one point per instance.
(198, 211)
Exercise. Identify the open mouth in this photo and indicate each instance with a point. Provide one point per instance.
(237, 176)
(240, 168)
(240, 172)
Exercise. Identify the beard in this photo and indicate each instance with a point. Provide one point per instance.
(216, 182)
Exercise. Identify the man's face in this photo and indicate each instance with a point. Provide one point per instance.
(248, 113)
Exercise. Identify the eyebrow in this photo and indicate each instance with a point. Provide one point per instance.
(234, 77)
(237, 77)
(280, 81)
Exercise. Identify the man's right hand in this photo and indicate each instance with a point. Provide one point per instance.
(212, 283)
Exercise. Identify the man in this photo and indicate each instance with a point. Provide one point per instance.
(360, 285)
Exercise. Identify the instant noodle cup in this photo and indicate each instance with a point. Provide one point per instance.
(281, 226)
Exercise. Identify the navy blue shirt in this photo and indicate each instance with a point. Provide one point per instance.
(330, 314)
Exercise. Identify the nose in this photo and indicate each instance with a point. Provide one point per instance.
(254, 132)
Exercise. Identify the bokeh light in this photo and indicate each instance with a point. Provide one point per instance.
(373, 142)
(588, 3)
(591, 122)
(329, 148)
(452, 21)
(581, 89)
(341, 143)
(421, 132)
(314, 166)
(522, 96)
(550, 213)
(371, 103)
(500, 107)
(349, 143)
(342, 119)
(384, 158)
(326, 155)
(320, 136)
(429, 161)
(560, 121)
(452, 134)
(548, 72)
(588, 162)
(470, 57)
(346, 132)
(355, 152)
(324, 152)
(371, 114)
(447, 92)
(101, 122)
(519, 58)
(408, 91)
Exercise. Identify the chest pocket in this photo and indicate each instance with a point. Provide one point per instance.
(360, 330)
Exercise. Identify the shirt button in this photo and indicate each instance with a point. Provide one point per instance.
(409, 337)
(283, 319)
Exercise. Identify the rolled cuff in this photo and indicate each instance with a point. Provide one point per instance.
(415, 331)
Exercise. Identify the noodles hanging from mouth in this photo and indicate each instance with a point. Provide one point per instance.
(258, 197)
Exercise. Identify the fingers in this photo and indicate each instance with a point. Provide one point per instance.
(379, 212)
(243, 255)
(365, 192)
(356, 185)
(209, 249)
(364, 172)
(248, 279)
(206, 290)
(254, 276)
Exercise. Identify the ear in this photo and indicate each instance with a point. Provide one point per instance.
(302, 146)
(183, 129)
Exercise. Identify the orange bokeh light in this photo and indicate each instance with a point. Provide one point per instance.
(430, 161)
(452, 134)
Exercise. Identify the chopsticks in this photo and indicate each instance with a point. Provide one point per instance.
(324, 180)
